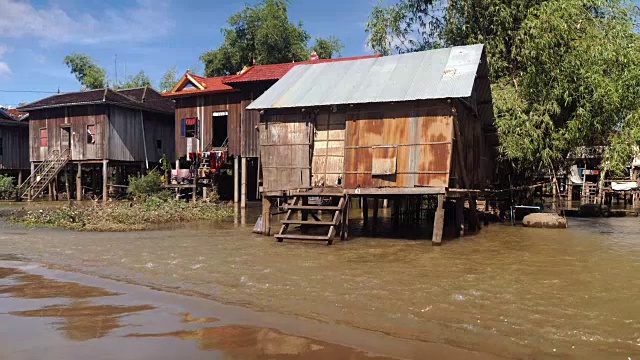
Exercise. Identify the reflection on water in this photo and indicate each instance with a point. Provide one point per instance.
(84, 320)
(248, 342)
(512, 291)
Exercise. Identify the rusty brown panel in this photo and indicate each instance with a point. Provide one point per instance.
(433, 157)
(435, 128)
(436, 180)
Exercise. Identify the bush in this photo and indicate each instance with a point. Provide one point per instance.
(141, 187)
(7, 189)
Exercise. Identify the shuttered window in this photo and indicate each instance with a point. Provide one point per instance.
(91, 134)
(44, 137)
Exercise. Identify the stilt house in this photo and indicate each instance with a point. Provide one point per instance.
(211, 115)
(14, 142)
(397, 127)
(116, 131)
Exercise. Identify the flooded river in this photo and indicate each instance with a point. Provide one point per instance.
(508, 292)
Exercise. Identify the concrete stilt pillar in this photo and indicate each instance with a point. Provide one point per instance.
(365, 211)
(19, 178)
(243, 188)
(50, 188)
(266, 216)
(236, 183)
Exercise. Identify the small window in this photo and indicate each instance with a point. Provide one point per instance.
(159, 144)
(44, 137)
(1, 147)
(91, 134)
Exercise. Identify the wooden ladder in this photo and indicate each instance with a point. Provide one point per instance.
(44, 174)
(301, 205)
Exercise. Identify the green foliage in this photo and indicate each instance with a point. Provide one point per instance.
(143, 186)
(125, 216)
(7, 189)
(137, 81)
(88, 73)
(564, 72)
(169, 80)
(327, 48)
(262, 33)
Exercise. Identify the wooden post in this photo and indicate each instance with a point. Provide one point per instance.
(396, 214)
(19, 178)
(344, 236)
(474, 222)
(55, 188)
(50, 195)
(460, 217)
(105, 176)
(243, 188)
(554, 193)
(376, 205)
(365, 211)
(266, 216)
(67, 188)
(236, 183)
(569, 193)
(385, 203)
(33, 169)
(204, 193)
(79, 183)
(438, 222)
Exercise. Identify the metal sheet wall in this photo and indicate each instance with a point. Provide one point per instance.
(415, 136)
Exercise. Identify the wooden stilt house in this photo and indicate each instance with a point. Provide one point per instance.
(404, 127)
(14, 143)
(99, 134)
(211, 115)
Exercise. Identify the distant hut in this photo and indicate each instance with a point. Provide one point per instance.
(14, 142)
(406, 127)
(211, 116)
(117, 131)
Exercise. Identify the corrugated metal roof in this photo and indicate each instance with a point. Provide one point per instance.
(433, 74)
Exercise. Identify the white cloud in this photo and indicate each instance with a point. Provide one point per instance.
(143, 21)
(5, 70)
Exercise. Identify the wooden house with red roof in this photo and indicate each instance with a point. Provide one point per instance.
(211, 114)
(98, 134)
(14, 142)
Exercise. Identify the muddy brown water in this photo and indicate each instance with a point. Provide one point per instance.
(508, 292)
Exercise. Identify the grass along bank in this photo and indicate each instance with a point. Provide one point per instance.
(149, 206)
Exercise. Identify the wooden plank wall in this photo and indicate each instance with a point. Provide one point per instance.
(328, 149)
(285, 145)
(15, 147)
(416, 135)
(241, 123)
(78, 117)
(126, 133)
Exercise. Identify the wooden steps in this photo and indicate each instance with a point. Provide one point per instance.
(301, 205)
(44, 174)
(302, 222)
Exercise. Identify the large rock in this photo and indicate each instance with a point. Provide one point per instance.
(544, 220)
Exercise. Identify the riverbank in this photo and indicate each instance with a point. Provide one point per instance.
(69, 315)
(509, 291)
(119, 215)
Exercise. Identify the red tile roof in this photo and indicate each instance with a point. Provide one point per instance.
(276, 71)
(254, 73)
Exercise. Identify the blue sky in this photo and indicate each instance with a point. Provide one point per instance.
(149, 35)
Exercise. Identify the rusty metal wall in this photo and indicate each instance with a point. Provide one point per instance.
(78, 117)
(415, 138)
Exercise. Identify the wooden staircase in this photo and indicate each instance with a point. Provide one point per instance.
(44, 174)
(310, 217)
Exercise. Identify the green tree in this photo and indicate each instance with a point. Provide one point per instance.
(563, 72)
(88, 73)
(136, 81)
(327, 48)
(168, 80)
(262, 33)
